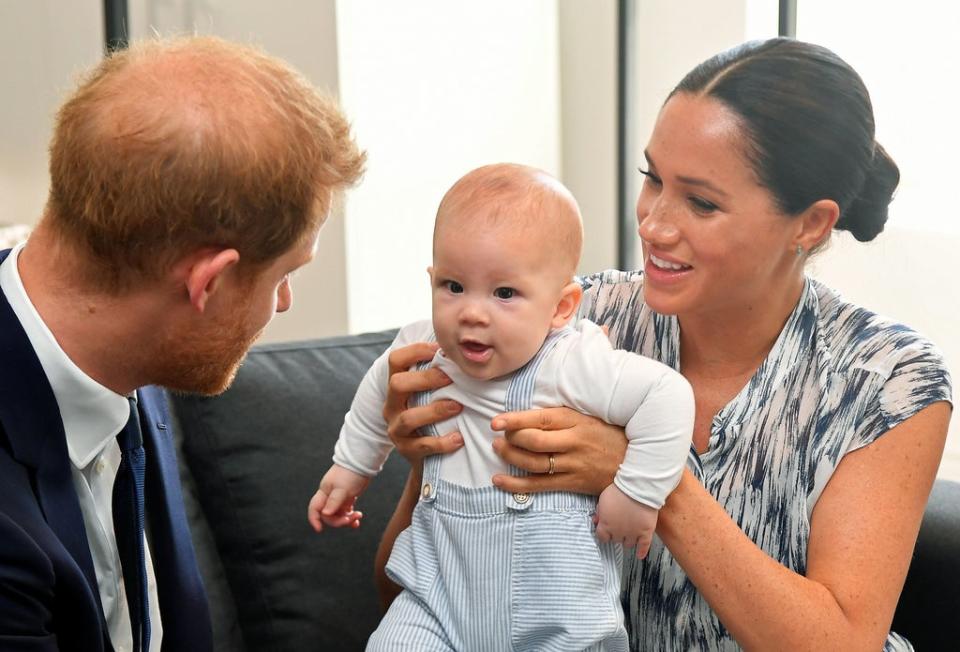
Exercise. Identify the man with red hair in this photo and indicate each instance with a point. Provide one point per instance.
(189, 179)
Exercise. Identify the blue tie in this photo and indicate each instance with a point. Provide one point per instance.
(128, 525)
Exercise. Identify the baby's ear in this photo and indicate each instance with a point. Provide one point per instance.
(567, 306)
(430, 273)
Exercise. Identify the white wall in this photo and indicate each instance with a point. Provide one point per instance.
(673, 36)
(588, 109)
(910, 276)
(909, 273)
(304, 34)
(45, 43)
(435, 88)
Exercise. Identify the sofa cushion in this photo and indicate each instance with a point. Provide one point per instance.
(256, 454)
(927, 613)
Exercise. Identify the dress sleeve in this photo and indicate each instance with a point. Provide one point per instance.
(919, 378)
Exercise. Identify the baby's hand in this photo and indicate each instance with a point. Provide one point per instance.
(334, 500)
(623, 520)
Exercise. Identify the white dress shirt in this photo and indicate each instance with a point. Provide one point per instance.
(92, 417)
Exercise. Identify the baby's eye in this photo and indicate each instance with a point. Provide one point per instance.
(454, 287)
(504, 293)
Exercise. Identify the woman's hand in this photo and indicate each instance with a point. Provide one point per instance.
(586, 451)
(403, 421)
(402, 424)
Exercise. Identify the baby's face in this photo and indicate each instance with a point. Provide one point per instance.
(495, 294)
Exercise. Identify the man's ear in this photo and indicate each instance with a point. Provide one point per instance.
(815, 223)
(205, 273)
(567, 306)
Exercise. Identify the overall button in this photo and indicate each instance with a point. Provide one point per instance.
(426, 490)
(521, 497)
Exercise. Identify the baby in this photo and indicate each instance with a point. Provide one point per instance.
(483, 569)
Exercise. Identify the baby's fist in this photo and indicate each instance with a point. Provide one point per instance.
(333, 503)
(623, 520)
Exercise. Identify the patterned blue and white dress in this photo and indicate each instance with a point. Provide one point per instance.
(836, 379)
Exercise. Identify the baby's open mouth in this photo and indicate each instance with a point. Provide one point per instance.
(475, 351)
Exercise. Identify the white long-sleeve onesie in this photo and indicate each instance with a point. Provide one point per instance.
(577, 368)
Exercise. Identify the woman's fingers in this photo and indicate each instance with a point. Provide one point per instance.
(408, 382)
(403, 422)
(541, 441)
(544, 419)
(406, 423)
(587, 452)
(404, 382)
(406, 356)
(547, 430)
(416, 448)
(532, 461)
(530, 484)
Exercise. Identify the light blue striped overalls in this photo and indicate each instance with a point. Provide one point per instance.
(485, 570)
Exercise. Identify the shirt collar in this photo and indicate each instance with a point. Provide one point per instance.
(92, 414)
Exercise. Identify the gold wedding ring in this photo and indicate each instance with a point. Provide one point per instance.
(553, 465)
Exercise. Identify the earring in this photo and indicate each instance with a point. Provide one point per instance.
(800, 250)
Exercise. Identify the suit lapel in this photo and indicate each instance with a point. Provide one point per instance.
(183, 601)
(31, 419)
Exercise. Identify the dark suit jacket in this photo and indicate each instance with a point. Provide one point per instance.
(48, 590)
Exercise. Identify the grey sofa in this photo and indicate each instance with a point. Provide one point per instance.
(252, 458)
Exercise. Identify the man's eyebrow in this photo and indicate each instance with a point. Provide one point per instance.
(690, 181)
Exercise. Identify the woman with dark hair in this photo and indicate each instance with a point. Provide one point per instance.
(819, 426)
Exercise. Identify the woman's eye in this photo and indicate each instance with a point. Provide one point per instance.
(651, 177)
(454, 287)
(702, 205)
(504, 293)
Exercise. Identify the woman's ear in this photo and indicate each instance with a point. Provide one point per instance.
(567, 306)
(205, 272)
(816, 223)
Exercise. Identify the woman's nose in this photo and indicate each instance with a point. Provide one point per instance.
(656, 223)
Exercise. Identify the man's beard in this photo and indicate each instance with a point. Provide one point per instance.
(206, 363)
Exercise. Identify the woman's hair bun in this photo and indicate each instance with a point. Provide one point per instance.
(867, 213)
